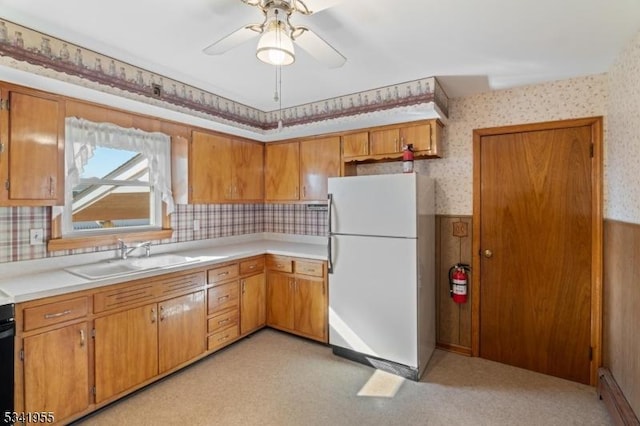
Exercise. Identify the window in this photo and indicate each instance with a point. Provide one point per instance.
(117, 181)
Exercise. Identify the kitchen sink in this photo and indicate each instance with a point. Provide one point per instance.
(116, 267)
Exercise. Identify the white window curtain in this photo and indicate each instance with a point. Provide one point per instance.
(83, 136)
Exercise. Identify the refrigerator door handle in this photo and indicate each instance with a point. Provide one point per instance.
(329, 255)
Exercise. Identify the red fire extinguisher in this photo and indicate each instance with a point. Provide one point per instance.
(407, 158)
(459, 282)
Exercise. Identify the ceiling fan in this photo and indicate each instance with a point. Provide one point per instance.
(277, 34)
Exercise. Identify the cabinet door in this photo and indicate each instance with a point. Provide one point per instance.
(311, 308)
(419, 136)
(248, 173)
(126, 350)
(181, 331)
(34, 172)
(355, 144)
(385, 141)
(280, 300)
(319, 160)
(210, 160)
(282, 171)
(56, 371)
(252, 303)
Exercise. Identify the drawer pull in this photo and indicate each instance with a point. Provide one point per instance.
(223, 297)
(222, 274)
(223, 338)
(279, 265)
(309, 270)
(252, 267)
(57, 315)
(82, 338)
(224, 321)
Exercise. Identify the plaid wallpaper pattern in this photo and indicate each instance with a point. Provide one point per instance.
(213, 220)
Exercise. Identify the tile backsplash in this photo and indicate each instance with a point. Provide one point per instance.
(213, 221)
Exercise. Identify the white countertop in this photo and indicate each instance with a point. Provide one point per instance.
(23, 281)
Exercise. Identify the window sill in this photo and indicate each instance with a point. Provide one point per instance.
(58, 244)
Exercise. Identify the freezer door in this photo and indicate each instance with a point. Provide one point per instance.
(380, 205)
(373, 297)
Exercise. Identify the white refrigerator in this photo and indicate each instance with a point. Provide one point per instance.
(381, 271)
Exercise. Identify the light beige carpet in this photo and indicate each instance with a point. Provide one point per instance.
(272, 378)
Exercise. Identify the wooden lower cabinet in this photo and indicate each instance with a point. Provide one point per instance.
(297, 302)
(56, 371)
(126, 350)
(253, 302)
(181, 332)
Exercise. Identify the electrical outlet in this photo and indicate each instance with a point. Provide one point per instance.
(36, 237)
(460, 229)
(196, 225)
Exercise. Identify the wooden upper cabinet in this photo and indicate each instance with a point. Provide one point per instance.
(385, 141)
(282, 171)
(319, 160)
(248, 176)
(222, 169)
(355, 144)
(32, 152)
(210, 178)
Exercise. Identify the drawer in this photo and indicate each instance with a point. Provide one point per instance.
(280, 263)
(251, 266)
(315, 269)
(223, 297)
(54, 313)
(222, 338)
(123, 296)
(182, 283)
(222, 273)
(223, 320)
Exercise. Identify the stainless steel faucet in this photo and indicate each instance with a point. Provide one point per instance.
(125, 249)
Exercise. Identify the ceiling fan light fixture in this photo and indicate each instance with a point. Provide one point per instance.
(275, 46)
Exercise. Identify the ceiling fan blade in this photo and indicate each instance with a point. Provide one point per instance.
(316, 6)
(234, 39)
(320, 49)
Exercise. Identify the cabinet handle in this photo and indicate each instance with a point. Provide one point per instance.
(295, 192)
(223, 298)
(161, 313)
(397, 146)
(223, 338)
(82, 338)
(153, 315)
(58, 314)
(242, 282)
(51, 186)
(279, 265)
(252, 267)
(224, 321)
(304, 191)
(222, 274)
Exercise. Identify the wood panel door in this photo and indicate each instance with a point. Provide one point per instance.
(282, 171)
(536, 247)
(419, 136)
(253, 303)
(56, 371)
(385, 141)
(182, 331)
(319, 160)
(355, 144)
(126, 349)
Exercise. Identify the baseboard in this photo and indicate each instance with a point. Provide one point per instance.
(619, 409)
(450, 347)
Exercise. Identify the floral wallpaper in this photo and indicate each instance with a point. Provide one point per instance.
(622, 171)
(559, 100)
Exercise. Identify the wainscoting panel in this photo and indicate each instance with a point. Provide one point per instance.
(621, 313)
(453, 245)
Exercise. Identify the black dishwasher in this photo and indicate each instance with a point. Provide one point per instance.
(7, 337)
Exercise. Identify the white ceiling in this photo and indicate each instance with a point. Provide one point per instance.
(469, 45)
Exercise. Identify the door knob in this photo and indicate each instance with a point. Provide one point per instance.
(488, 253)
